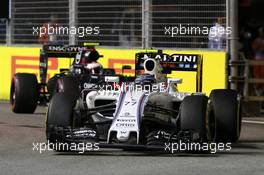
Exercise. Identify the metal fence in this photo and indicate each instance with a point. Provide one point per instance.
(2, 31)
(191, 20)
(118, 23)
(29, 14)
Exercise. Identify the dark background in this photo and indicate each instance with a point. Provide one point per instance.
(4, 8)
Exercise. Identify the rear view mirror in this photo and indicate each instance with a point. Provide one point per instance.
(166, 71)
(126, 67)
(109, 71)
(62, 70)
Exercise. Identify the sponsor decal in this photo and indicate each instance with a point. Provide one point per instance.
(126, 120)
(125, 125)
(186, 58)
(64, 48)
(172, 62)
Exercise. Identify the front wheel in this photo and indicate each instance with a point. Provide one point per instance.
(193, 116)
(60, 114)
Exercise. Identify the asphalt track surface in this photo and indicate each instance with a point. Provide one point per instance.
(19, 132)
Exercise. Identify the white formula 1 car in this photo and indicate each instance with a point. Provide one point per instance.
(146, 113)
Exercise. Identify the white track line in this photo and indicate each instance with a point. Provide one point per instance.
(253, 122)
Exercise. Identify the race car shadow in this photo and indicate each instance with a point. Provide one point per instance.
(248, 144)
(156, 154)
(27, 126)
(252, 141)
(135, 154)
(252, 153)
(245, 148)
(240, 148)
(40, 113)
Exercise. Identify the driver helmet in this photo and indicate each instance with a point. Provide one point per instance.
(94, 68)
(86, 56)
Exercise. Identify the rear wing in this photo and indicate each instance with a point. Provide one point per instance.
(63, 50)
(173, 62)
(58, 51)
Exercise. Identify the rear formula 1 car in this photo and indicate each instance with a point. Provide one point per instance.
(26, 92)
(147, 113)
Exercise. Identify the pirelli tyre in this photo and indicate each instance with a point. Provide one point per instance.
(226, 109)
(60, 114)
(193, 112)
(24, 93)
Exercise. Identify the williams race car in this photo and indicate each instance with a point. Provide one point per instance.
(145, 113)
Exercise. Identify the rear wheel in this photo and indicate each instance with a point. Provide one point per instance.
(227, 111)
(24, 93)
